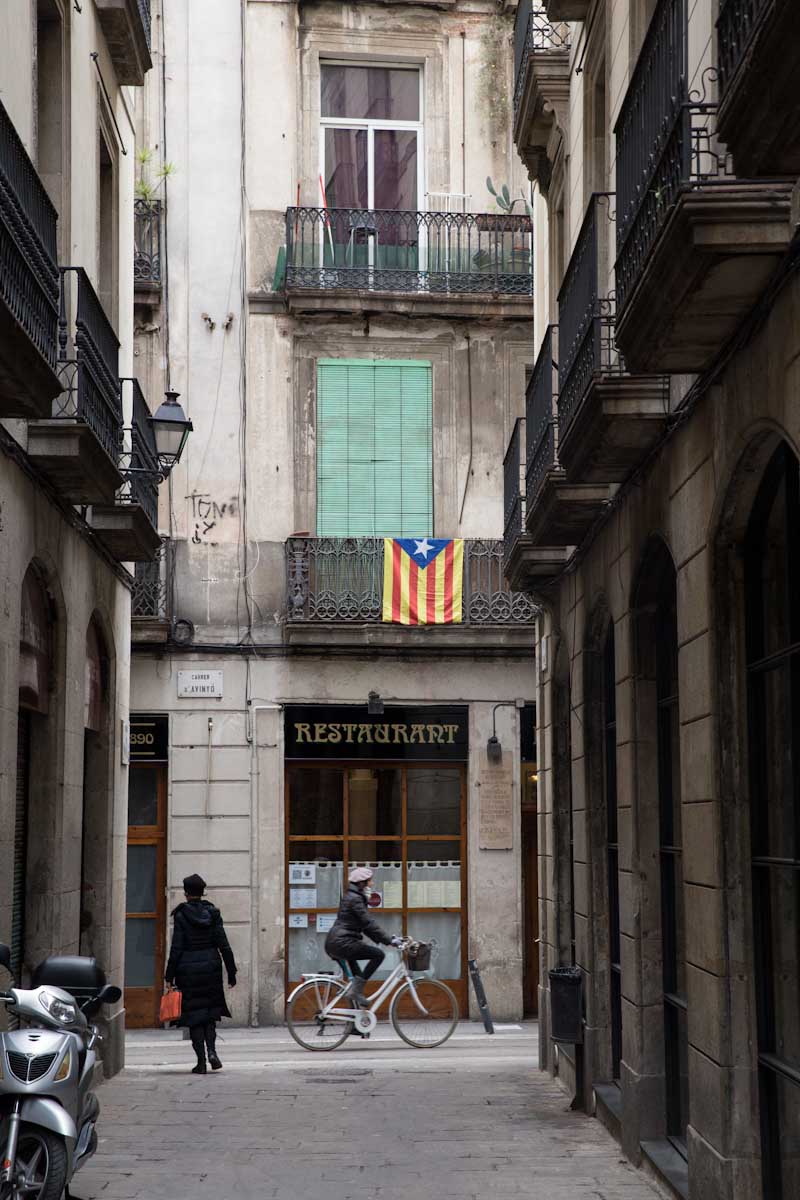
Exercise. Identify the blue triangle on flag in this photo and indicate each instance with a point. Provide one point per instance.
(423, 550)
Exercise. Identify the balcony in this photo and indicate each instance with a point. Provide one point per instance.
(334, 597)
(151, 597)
(695, 244)
(28, 283)
(415, 262)
(128, 528)
(147, 224)
(758, 49)
(558, 512)
(79, 446)
(607, 418)
(541, 90)
(126, 29)
(527, 568)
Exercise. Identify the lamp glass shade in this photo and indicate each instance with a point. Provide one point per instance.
(171, 427)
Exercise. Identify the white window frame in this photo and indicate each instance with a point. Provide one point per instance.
(372, 125)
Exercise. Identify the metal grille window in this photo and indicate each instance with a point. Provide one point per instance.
(673, 924)
(772, 581)
(612, 850)
(374, 448)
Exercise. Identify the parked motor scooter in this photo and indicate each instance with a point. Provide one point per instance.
(48, 1111)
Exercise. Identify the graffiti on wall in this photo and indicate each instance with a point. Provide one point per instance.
(207, 514)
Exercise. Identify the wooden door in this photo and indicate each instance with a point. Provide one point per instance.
(146, 893)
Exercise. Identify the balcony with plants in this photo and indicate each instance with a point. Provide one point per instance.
(608, 418)
(758, 49)
(29, 283)
(413, 260)
(541, 88)
(696, 243)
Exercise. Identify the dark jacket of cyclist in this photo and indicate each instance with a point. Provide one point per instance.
(345, 940)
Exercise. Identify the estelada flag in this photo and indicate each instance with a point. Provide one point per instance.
(422, 580)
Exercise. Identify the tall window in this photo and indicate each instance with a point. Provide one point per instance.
(612, 849)
(374, 448)
(673, 925)
(772, 580)
(371, 136)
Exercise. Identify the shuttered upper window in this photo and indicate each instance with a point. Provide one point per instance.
(374, 448)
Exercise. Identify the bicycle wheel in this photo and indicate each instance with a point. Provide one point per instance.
(306, 1026)
(429, 1025)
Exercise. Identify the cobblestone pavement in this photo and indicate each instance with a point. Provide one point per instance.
(374, 1120)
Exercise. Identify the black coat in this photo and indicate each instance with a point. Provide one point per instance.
(353, 920)
(195, 966)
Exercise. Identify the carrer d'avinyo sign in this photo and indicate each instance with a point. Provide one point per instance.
(322, 731)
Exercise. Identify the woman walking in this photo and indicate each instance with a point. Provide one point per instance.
(199, 947)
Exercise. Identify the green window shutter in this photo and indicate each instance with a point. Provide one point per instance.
(374, 448)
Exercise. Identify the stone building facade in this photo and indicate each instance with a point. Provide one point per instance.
(652, 514)
(70, 515)
(341, 243)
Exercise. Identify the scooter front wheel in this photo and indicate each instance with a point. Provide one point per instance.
(41, 1168)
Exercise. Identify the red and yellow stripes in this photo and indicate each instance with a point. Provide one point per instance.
(431, 595)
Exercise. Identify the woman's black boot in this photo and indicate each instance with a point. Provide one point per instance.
(197, 1033)
(211, 1042)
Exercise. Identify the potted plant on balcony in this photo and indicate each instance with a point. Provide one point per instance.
(519, 256)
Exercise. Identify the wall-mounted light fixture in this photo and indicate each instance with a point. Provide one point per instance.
(374, 705)
(494, 748)
(171, 427)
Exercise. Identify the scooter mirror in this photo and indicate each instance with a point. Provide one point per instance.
(5, 957)
(107, 995)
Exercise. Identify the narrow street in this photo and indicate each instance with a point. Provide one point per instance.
(373, 1121)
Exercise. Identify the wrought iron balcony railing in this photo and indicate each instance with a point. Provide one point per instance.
(147, 216)
(585, 317)
(540, 417)
(534, 34)
(88, 364)
(513, 489)
(152, 585)
(666, 143)
(28, 252)
(737, 24)
(139, 465)
(340, 580)
(428, 253)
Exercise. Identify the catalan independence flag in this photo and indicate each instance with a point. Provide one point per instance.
(422, 580)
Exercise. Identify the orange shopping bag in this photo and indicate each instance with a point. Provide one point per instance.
(170, 1006)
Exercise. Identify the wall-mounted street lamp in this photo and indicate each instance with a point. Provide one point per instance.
(494, 747)
(171, 427)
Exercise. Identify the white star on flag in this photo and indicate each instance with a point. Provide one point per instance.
(423, 547)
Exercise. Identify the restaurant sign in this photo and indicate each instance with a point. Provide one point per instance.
(321, 731)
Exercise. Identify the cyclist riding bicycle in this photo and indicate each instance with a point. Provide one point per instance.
(345, 941)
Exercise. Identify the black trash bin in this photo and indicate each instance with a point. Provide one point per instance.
(566, 1008)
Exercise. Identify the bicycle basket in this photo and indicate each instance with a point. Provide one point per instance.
(419, 956)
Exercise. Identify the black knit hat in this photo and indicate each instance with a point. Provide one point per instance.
(194, 885)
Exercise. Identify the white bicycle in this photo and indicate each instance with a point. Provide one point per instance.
(423, 1012)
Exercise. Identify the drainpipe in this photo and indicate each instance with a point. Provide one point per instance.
(469, 395)
(255, 770)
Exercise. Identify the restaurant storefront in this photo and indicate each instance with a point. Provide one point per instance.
(387, 790)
